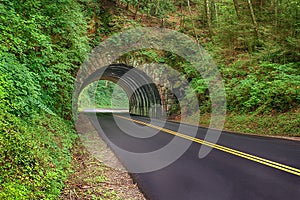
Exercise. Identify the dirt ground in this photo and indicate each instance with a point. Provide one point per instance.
(91, 179)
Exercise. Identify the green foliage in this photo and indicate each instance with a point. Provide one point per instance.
(42, 43)
(155, 8)
(20, 92)
(261, 71)
(34, 156)
(109, 94)
(286, 124)
(49, 39)
(14, 191)
(279, 124)
(233, 31)
(103, 94)
(269, 87)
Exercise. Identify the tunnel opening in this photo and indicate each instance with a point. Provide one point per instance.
(142, 94)
(103, 95)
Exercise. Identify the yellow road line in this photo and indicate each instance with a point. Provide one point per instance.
(257, 159)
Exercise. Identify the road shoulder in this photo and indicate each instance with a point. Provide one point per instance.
(91, 179)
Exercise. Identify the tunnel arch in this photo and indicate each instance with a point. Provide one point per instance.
(143, 95)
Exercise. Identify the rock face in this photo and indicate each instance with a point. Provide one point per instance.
(167, 81)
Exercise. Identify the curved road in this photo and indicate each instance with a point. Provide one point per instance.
(240, 167)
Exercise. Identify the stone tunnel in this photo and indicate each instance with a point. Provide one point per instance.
(145, 97)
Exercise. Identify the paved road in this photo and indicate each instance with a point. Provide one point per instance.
(219, 176)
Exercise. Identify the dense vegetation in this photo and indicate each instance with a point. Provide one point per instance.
(42, 45)
(255, 44)
(107, 95)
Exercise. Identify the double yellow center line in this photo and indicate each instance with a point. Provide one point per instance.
(257, 159)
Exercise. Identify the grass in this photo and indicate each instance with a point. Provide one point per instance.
(280, 124)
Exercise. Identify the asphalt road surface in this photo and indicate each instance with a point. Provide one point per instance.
(240, 167)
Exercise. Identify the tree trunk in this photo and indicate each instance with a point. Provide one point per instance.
(253, 17)
(261, 5)
(190, 11)
(137, 9)
(216, 13)
(276, 14)
(237, 9)
(156, 8)
(208, 15)
(213, 11)
(182, 18)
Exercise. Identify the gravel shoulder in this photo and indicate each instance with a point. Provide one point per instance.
(91, 179)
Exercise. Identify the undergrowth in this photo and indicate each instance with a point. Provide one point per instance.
(35, 156)
(279, 124)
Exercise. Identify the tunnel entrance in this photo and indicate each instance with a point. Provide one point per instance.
(143, 96)
(107, 96)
